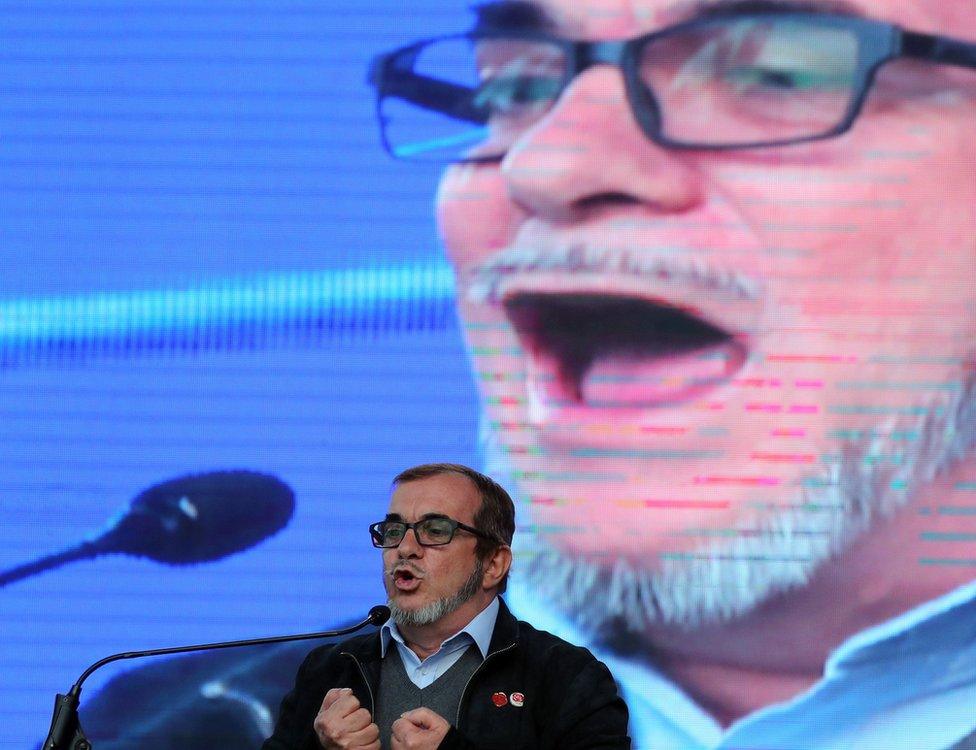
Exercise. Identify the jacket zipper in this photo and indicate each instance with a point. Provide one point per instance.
(464, 693)
(369, 689)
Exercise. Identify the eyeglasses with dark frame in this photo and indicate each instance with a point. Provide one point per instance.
(737, 81)
(434, 531)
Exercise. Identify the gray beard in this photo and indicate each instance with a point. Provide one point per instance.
(723, 580)
(431, 613)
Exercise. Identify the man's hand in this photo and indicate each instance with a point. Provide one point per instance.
(342, 724)
(420, 729)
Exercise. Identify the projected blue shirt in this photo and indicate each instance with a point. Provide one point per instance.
(907, 684)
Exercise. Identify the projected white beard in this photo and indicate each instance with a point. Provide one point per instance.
(434, 611)
(725, 579)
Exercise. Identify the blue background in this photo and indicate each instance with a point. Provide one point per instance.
(200, 148)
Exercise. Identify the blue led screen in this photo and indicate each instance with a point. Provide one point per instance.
(730, 384)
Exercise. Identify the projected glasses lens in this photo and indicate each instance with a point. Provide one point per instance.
(467, 98)
(748, 82)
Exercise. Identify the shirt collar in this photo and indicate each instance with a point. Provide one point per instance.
(944, 624)
(478, 630)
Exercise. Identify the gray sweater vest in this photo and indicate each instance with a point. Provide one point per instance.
(398, 694)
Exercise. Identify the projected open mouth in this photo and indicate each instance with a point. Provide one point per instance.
(605, 350)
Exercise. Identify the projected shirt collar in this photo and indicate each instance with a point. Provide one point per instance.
(907, 684)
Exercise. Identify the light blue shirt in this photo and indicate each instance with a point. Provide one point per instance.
(907, 684)
(423, 673)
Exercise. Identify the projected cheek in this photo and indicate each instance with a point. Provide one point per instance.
(474, 213)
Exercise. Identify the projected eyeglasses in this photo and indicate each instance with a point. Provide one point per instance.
(727, 82)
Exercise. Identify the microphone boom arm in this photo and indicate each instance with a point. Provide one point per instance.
(83, 551)
(65, 723)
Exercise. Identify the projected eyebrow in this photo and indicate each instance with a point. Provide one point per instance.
(718, 8)
(512, 15)
(521, 15)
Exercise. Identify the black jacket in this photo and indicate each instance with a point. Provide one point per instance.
(570, 698)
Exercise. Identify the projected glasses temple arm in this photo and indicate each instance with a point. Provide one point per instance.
(938, 49)
(392, 78)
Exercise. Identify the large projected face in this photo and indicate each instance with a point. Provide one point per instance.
(709, 371)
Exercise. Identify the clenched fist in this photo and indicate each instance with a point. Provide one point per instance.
(420, 729)
(342, 724)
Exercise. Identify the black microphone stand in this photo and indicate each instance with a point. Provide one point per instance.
(84, 551)
(66, 732)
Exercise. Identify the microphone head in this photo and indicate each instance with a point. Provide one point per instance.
(201, 517)
(379, 614)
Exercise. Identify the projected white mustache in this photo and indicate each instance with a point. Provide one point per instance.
(581, 258)
(255, 312)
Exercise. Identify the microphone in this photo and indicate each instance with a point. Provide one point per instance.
(191, 519)
(65, 723)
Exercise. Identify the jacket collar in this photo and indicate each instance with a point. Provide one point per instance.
(506, 629)
(367, 648)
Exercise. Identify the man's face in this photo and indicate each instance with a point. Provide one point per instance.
(427, 583)
(683, 352)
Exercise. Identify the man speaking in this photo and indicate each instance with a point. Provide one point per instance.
(453, 668)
